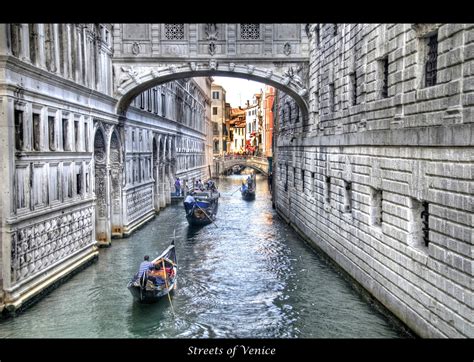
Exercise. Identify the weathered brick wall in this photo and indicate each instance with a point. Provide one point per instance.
(359, 181)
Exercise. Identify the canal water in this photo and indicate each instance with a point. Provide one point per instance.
(248, 276)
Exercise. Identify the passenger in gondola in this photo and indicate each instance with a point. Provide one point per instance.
(145, 265)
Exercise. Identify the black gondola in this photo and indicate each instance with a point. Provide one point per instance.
(248, 189)
(204, 209)
(154, 284)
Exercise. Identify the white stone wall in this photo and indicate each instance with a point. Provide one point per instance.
(359, 179)
(56, 94)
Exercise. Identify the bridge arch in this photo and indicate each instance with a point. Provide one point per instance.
(135, 80)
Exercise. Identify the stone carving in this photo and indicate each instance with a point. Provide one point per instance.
(172, 68)
(268, 73)
(212, 48)
(135, 48)
(100, 191)
(211, 32)
(292, 75)
(213, 64)
(35, 247)
(139, 203)
(192, 65)
(99, 147)
(127, 74)
(287, 49)
(250, 69)
(231, 66)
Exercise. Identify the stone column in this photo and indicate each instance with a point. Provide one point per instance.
(162, 186)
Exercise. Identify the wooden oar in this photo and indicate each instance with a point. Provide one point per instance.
(235, 191)
(206, 214)
(166, 284)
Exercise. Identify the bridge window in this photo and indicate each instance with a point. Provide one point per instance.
(250, 31)
(174, 31)
(431, 61)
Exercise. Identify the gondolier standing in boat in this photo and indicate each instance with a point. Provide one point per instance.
(145, 265)
(189, 202)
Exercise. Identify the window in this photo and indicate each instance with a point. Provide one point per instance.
(419, 228)
(51, 133)
(332, 98)
(214, 110)
(174, 31)
(384, 73)
(327, 190)
(36, 131)
(215, 95)
(316, 102)
(347, 196)
(149, 104)
(250, 31)
(163, 105)
(18, 129)
(66, 146)
(376, 207)
(335, 30)
(86, 136)
(76, 135)
(302, 179)
(141, 101)
(354, 88)
(78, 179)
(431, 61)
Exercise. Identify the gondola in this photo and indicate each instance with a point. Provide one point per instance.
(154, 284)
(203, 211)
(248, 189)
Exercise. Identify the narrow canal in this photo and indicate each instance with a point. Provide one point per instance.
(250, 276)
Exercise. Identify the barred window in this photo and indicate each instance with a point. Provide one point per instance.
(250, 31)
(385, 77)
(431, 61)
(174, 31)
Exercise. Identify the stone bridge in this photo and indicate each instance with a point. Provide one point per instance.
(223, 164)
(146, 55)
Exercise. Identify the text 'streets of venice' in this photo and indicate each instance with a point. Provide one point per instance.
(159, 281)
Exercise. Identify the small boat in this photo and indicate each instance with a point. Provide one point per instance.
(248, 188)
(156, 283)
(204, 208)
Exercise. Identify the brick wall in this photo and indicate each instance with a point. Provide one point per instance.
(360, 179)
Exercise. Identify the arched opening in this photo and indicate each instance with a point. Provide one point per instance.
(115, 163)
(102, 228)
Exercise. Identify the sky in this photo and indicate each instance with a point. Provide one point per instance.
(238, 90)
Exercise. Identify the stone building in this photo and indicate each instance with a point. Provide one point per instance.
(380, 177)
(75, 172)
(218, 118)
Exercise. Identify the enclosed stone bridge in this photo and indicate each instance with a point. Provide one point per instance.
(146, 55)
(222, 165)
